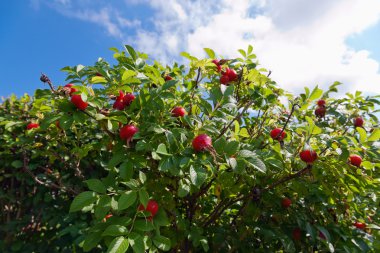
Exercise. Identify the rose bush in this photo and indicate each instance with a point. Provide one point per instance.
(213, 156)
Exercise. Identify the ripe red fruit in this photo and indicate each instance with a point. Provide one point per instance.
(72, 90)
(128, 99)
(275, 134)
(127, 132)
(78, 102)
(286, 203)
(168, 78)
(358, 122)
(224, 79)
(119, 102)
(231, 74)
(360, 225)
(32, 125)
(202, 142)
(321, 103)
(178, 111)
(320, 112)
(355, 160)
(296, 234)
(151, 207)
(308, 156)
(216, 62)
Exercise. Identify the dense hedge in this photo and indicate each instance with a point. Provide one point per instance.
(205, 157)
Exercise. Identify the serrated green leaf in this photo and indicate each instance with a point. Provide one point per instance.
(83, 199)
(375, 135)
(161, 242)
(126, 200)
(144, 197)
(96, 185)
(118, 245)
(115, 230)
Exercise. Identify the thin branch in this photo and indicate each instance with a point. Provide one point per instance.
(232, 121)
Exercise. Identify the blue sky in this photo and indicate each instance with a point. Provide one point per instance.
(303, 43)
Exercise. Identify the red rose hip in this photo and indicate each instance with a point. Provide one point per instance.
(286, 202)
(360, 225)
(178, 111)
(32, 125)
(202, 142)
(296, 234)
(127, 132)
(321, 103)
(320, 112)
(151, 207)
(308, 156)
(168, 78)
(275, 134)
(72, 90)
(355, 160)
(358, 122)
(78, 102)
(224, 79)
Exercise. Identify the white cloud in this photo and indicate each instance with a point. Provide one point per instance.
(302, 42)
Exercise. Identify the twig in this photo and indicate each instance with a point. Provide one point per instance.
(232, 121)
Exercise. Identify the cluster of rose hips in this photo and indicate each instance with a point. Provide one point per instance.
(321, 108)
(228, 75)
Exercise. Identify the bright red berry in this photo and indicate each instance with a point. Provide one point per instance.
(119, 102)
(128, 99)
(231, 74)
(151, 207)
(308, 156)
(286, 203)
(224, 79)
(202, 142)
(127, 132)
(216, 62)
(108, 216)
(178, 111)
(358, 122)
(168, 78)
(72, 90)
(320, 112)
(275, 134)
(321, 103)
(78, 102)
(296, 234)
(355, 160)
(360, 225)
(32, 125)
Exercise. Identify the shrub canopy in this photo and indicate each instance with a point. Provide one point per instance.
(110, 166)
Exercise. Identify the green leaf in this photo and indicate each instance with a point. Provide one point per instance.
(231, 148)
(91, 241)
(96, 185)
(375, 135)
(316, 93)
(197, 176)
(161, 242)
(137, 243)
(127, 74)
(82, 200)
(17, 164)
(131, 52)
(103, 206)
(143, 225)
(144, 197)
(118, 245)
(115, 230)
(362, 134)
(126, 200)
(161, 149)
(210, 52)
(256, 163)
